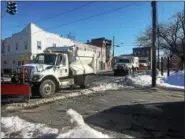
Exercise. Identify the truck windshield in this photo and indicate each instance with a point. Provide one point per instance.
(48, 59)
(123, 61)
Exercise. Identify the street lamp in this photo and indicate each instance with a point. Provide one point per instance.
(115, 45)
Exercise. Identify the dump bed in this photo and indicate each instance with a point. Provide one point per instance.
(81, 60)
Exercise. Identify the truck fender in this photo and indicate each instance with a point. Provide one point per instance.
(51, 77)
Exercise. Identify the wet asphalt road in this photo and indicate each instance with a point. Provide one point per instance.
(135, 112)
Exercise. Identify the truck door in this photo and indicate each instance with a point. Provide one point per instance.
(62, 66)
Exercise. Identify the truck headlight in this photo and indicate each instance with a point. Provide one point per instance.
(36, 77)
(40, 68)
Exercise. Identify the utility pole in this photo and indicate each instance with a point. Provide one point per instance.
(184, 42)
(158, 45)
(154, 19)
(113, 47)
(113, 52)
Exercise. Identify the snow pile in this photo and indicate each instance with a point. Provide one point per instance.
(174, 81)
(108, 83)
(109, 86)
(81, 129)
(14, 127)
(139, 81)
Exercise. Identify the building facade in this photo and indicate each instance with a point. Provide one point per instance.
(143, 52)
(105, 46)
(21, 47)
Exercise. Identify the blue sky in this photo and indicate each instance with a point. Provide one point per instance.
(125, 24)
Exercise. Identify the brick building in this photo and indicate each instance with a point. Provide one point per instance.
(106, 44)
(143, 52)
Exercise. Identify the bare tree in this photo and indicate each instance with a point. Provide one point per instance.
(171, 35)
(70, 36)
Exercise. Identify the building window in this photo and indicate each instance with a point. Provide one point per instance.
(8, 48)
(22, 62)
(16, 46)
(13, 62)
(3, 49)
(25, 45)
(39, 45)
(19, 63)
(54, 44)
(5, 62)
(147, 52)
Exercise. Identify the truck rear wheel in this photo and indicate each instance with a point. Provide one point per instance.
(115, 73)
(83, 81)
(47, 88)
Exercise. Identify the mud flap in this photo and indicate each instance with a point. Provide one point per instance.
(14, 91)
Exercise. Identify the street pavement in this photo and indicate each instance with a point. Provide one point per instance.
(141, 113)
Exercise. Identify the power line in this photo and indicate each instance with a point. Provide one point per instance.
(89, 17)
(59, 14)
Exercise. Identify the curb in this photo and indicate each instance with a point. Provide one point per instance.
(171, 88)
(21, 106)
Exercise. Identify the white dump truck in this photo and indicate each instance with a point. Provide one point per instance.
(60, 67)
(125, 64)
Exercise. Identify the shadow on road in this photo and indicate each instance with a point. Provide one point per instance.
(154, 121)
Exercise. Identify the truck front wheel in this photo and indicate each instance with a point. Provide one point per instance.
(47, 88)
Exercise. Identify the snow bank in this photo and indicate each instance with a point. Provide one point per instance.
(174, 81)
(109, 83)
(81, 129)
(139, 81)
(14, 127)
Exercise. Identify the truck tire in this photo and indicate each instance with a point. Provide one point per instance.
(47, 88)
(115, 73)
(83, 81)
(14, 79)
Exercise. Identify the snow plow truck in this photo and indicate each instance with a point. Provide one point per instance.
(55, 68)
(125, 65)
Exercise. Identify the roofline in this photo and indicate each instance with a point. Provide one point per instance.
(142, 47)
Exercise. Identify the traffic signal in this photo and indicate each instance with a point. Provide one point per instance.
(11, 7)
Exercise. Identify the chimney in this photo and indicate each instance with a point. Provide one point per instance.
(88, 42)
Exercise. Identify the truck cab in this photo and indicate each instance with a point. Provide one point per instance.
(53, 63)
(125, 64)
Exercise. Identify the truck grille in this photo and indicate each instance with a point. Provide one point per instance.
(24, 73)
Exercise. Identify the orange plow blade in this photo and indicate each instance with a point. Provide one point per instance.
(15, 90)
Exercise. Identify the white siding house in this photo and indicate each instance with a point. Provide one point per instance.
(22, 46)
